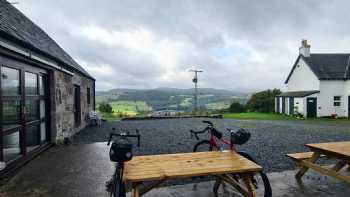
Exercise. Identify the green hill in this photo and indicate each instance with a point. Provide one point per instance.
(133, 101)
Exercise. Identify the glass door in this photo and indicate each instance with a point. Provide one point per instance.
(23, 110)
(11, 117)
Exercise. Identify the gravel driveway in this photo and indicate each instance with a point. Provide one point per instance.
(270, 140)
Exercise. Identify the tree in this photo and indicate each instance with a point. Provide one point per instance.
(105, 107)
(236, 107)
(263, 101)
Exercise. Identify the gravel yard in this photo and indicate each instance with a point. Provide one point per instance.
(270, 140)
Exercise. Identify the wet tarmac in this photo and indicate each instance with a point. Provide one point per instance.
(82, 170)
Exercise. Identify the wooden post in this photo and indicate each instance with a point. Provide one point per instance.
(303, 168)
(135, 190)
(250, 187)
(339, 165)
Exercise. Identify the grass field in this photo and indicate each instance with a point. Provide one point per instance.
(125, 108)
(258, 116)
(218, 105)
(273, 116)
(129, 107)
(110, 117)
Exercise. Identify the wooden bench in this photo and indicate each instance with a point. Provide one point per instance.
(339, 151)
(159, 168)
(301, 156)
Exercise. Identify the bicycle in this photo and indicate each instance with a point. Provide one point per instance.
(120, 152)
(237, 138)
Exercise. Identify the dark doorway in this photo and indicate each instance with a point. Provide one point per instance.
(311, 107)
(283, 105)
(291, 105)
(77, 107)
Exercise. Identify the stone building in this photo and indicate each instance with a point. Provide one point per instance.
(45, 95)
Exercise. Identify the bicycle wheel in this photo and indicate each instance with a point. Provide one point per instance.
(260, 180)
(202, 146)
(116, 187)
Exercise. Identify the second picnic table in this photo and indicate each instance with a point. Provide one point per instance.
(339, 151)
(169, 166)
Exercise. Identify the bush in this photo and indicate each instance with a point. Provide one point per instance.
(105, 108)
(236, 107)
(263, 101)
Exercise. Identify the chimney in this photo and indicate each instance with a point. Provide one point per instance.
(304, 50)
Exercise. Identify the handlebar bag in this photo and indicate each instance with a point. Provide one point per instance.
(120, 151)
(240, 137)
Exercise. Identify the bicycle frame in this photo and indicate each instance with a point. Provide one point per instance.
(214, 143)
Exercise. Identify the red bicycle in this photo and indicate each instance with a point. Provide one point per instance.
(260, 180)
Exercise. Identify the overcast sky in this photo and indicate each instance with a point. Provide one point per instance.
(240, 45)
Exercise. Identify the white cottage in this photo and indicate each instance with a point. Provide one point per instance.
(317, 86)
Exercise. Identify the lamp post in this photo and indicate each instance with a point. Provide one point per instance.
(195, 81)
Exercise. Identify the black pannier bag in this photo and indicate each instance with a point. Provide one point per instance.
(240, 137)
(120, 151)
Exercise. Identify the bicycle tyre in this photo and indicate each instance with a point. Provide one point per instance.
(117, 190)
(203, 144)
(264, 178)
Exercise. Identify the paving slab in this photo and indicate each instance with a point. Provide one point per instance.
(83, 169)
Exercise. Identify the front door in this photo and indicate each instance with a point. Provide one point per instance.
(77, 107)
(311, 107)
(23, 111)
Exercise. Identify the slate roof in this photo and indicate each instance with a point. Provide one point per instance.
(327, 66)
(17, 27)
(298, 93)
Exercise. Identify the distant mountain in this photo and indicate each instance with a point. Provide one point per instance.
(174, 98)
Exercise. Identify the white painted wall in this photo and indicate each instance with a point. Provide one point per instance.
(299, 105)
(302, 78)
(280, 104)
(286, 105)
(329, 89)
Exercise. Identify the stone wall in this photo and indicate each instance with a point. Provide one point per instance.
(63, 111)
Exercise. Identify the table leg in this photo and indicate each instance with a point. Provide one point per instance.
(237, 185)
(250, 187)
(135, 190)
(303, 168)
(217, 185)
(339, 165)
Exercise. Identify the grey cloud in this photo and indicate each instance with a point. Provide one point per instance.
(271, 29)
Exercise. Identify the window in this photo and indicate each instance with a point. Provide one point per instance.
(88, 96)
(336, 101)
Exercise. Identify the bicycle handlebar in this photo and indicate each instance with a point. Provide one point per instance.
(208, 122)
(124, 135)
(195, 133)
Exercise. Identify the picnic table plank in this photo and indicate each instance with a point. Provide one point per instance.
(158, 167)
(337, 149)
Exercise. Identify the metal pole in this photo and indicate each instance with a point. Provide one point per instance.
(195, 81)
(195, 93)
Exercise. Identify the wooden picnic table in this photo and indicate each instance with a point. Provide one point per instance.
(159, 168)
(336, 150)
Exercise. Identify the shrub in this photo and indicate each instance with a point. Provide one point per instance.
(236, 107)
(105, 108)
(263, 101)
